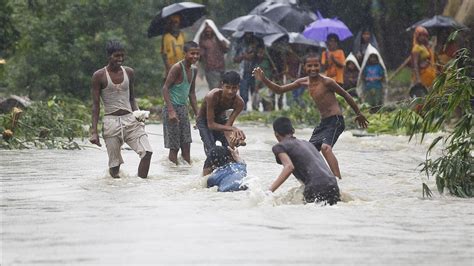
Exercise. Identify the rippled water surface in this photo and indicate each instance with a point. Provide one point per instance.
(61, 208)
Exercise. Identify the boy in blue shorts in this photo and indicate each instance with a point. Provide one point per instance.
(179, 87)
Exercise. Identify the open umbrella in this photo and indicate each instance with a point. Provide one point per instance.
(254, 24)
(292, 38)
(321, 28)
(189, 12)
(291, 17)
(438, 22)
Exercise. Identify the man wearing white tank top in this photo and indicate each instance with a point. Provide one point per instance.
(114, 85)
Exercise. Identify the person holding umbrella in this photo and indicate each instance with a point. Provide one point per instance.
(168, 22)
(333, 60)
(173, 43)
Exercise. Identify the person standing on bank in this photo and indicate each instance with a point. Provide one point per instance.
(114, 84)
(213, 47)
(179, 87)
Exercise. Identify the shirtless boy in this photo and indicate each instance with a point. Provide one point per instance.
(212, 122)
(323, 92)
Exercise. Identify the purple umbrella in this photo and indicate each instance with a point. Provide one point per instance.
(321, 28)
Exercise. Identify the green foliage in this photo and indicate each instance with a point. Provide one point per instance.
(46, 124)
(63, 42)
(450, 97)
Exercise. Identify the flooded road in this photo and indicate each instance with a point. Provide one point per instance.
(61, 208)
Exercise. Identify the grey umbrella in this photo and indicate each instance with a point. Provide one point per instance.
(254, 24)
(189, 12)
(438, 22)
(293, 38)
(293, 18)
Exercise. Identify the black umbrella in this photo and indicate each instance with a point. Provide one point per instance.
(438, 22)
(254, 24)
(291, 17)
(189, 12)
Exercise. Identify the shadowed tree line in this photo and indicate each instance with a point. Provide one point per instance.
(53, 47)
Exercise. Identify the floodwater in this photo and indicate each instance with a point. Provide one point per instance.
(61, 208)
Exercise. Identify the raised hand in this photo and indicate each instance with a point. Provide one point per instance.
(258, 73)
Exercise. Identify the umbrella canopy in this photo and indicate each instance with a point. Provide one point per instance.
(438, 22)
(189, 12)
(259, 8)
(254, 24)
(293, 38)
(291, 17)
(321, 28)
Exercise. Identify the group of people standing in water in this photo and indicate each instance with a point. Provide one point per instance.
(114, 85)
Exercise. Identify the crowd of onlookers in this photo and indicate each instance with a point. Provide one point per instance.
(362, 72)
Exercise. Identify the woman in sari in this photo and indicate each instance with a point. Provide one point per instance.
(424, 70)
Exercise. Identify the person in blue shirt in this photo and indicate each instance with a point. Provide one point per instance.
(373, 75)
(229, 169)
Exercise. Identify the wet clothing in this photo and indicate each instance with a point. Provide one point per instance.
(173, 48)
(212, 54)
(370, 72)
(179, 93)
(350, 81)
(117, 130)
(116, 96)
(328, 131)
(176, 134)
(209, 136)
(228, 177)
(428, 73)
(311, 169)
(333, 71)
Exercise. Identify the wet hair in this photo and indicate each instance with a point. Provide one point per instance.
(282, 126)
(231, 78)
(113, 46)
(219, 156)
(311, 55)
(190, 45)
(333, 36)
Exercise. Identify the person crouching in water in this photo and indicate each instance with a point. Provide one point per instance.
(229, 169)
(303, 160)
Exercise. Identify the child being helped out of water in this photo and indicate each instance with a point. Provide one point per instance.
(303, 160)
(229, 169)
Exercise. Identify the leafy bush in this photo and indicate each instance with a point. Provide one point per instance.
(51, 124)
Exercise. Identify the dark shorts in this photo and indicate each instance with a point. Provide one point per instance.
(328, 194)
(209, 136)
(328, 131)
(176, 134)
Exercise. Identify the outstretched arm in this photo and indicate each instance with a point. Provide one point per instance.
(360, 118)
(259, 75)
(288, 168)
